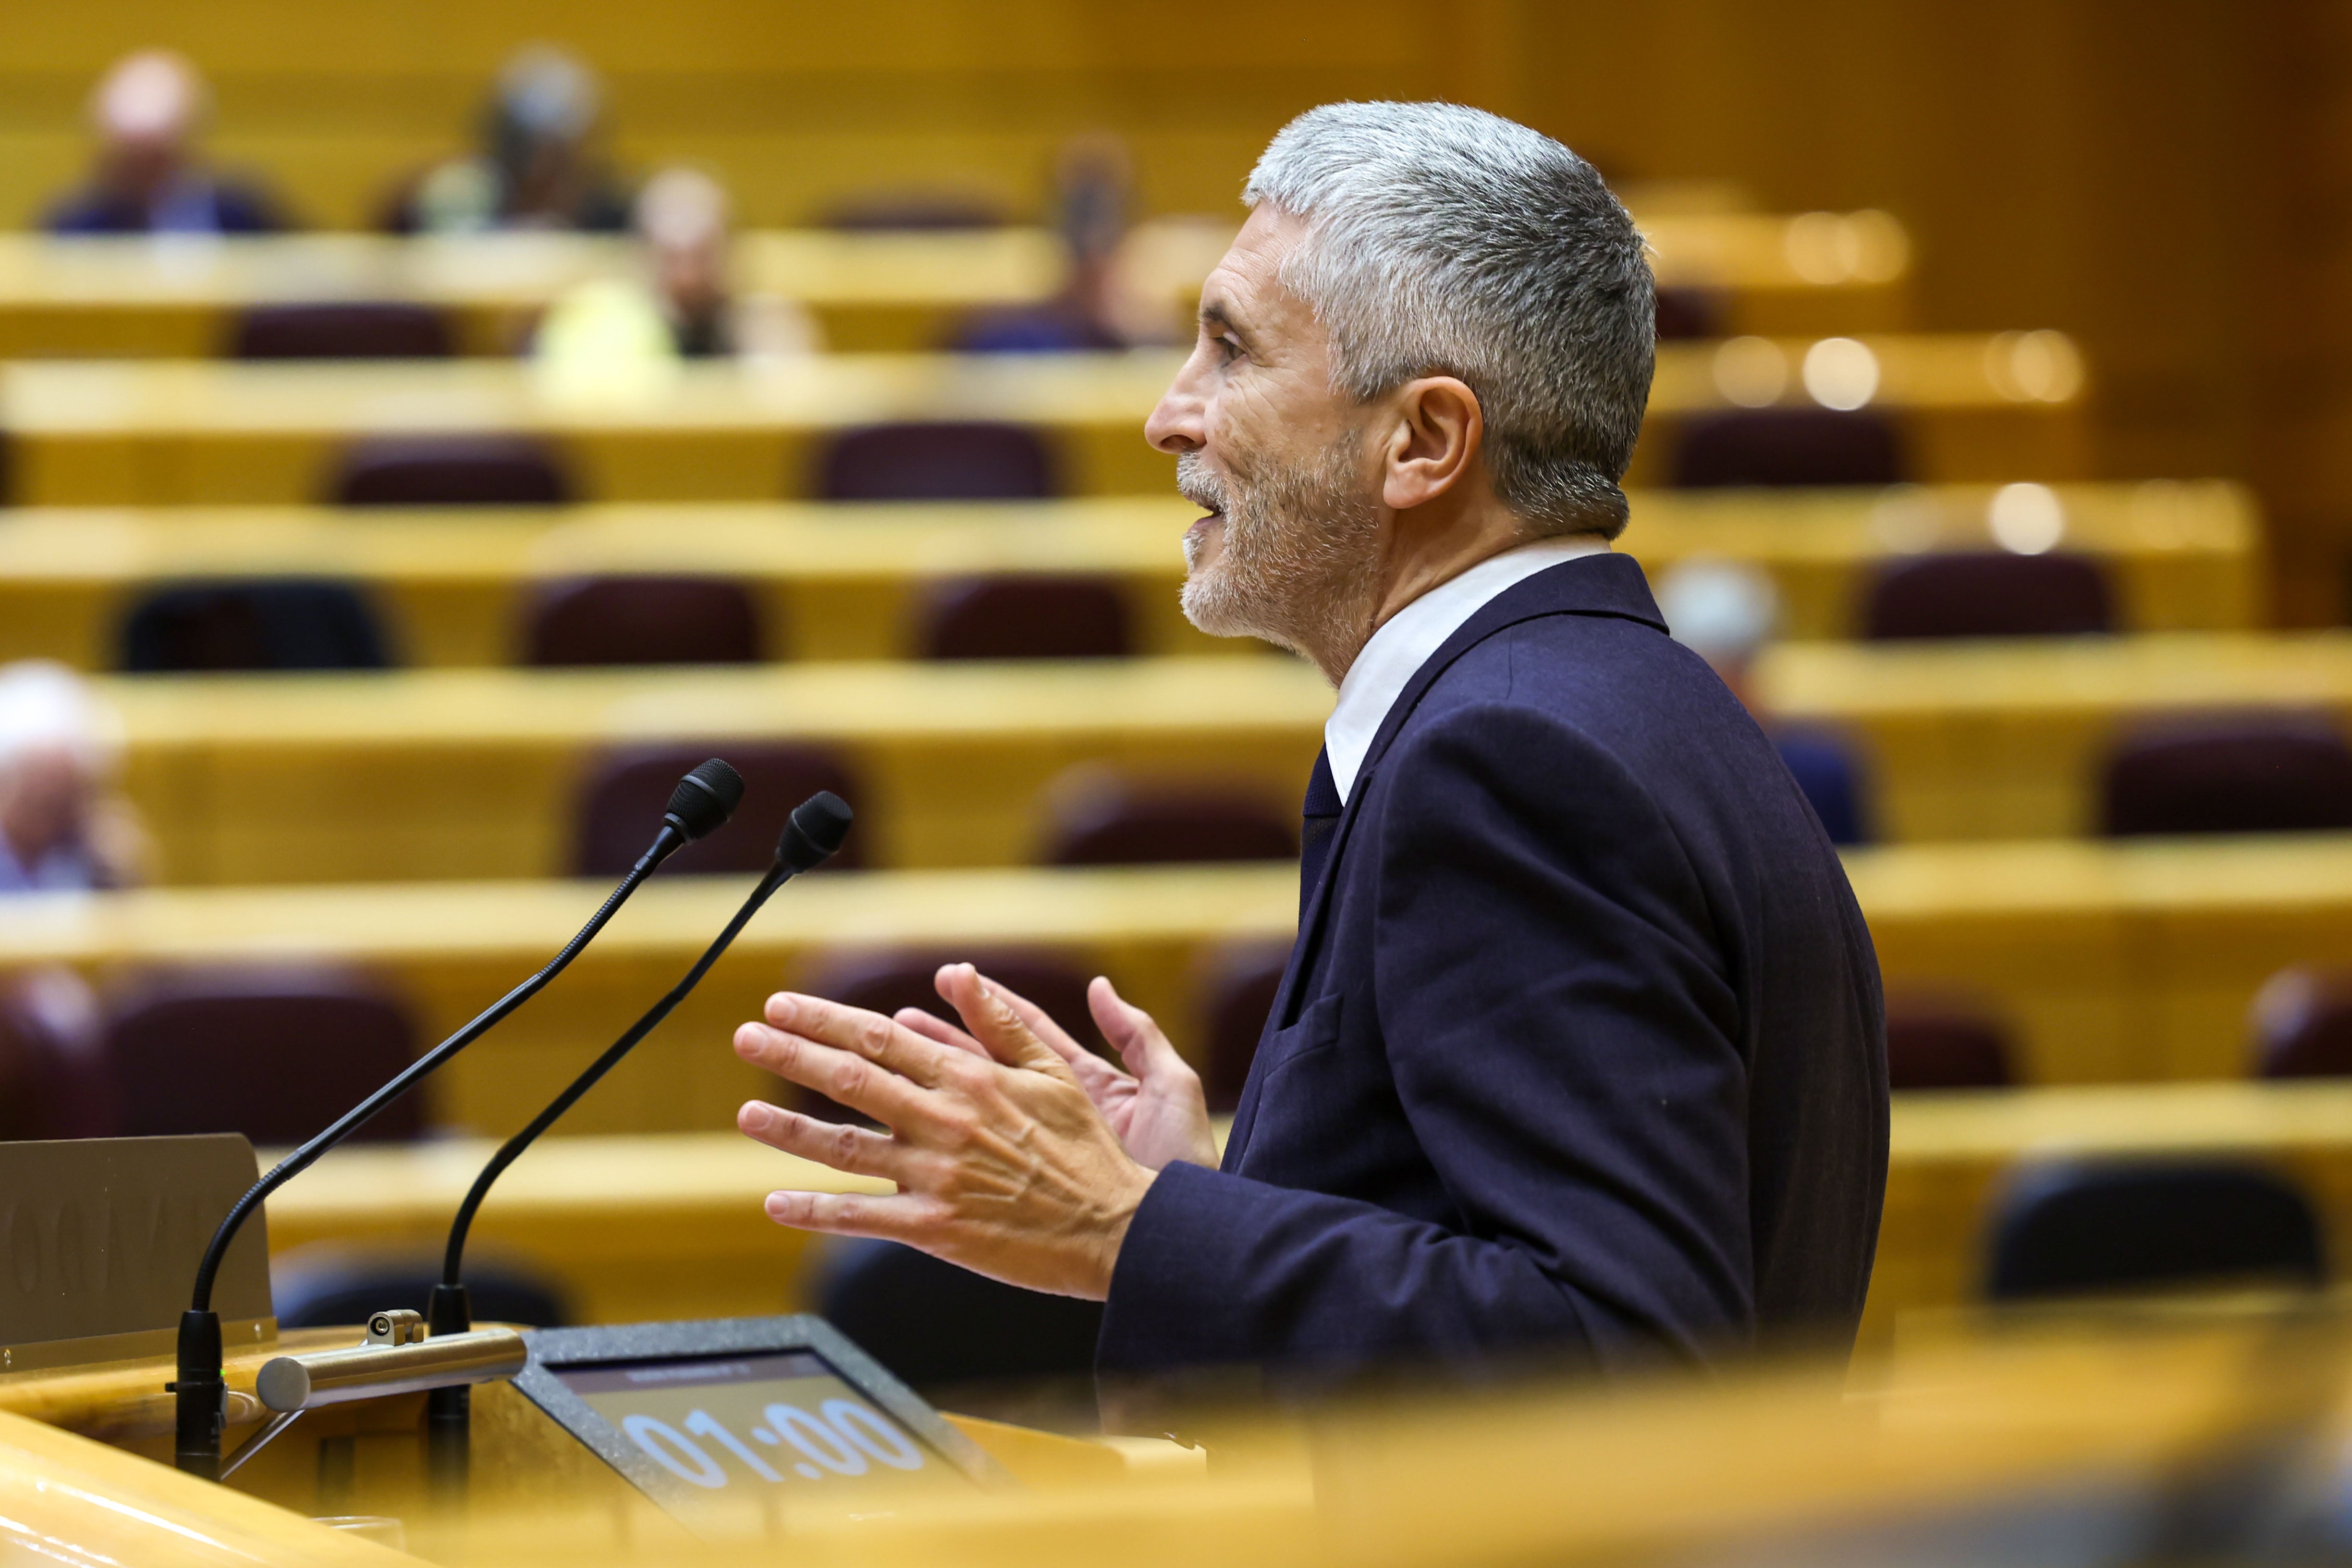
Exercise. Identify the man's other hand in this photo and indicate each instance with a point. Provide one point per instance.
(1002, 1163)
(1156, 1107)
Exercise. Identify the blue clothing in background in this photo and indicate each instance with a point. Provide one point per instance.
(1826, 772)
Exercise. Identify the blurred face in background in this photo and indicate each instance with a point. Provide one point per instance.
(46, 792)
(145, 113)
(1275, 457)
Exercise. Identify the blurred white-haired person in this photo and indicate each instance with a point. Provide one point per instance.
(1727, 612)
(62, 826)
(147, 177)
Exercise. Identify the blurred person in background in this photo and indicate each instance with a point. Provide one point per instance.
(1096, 308)
(62, 827)
(538, 168)
(627, 333)
(1727, 612)
(148, 178)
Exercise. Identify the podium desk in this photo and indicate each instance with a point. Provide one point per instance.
(844, 582)
(2006, 739)
(137, 297)
(448, 773)
(1973, 408)
(451, 950)
(2113, 1428)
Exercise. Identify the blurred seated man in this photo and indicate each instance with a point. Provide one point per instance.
(630, 332)
(537, 167)
(146, 114)
(1726, 611)
(1095, 308)
(62, 827)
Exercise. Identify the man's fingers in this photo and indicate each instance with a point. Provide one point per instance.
(994, 1023)
(850, 1214)
(1040, 1022)
(931, 1026)
(1139, 1040)
(878, 1040)
(839, 1075)
(840, 1144)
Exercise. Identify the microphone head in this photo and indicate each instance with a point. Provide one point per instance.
(704, 799)
(818, 825)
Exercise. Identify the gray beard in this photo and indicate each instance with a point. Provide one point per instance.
(1299, 564)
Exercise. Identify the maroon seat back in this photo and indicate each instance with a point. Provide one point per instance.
(1988, 593)
(1116, 822)
(1788, 447)
(936, 460)
(2303, 1025)
(2248, 774)
(1025, 617)
(642, 620)
(275, 1055)
(1237, 992)
(450, 470)
(53, 1081)
(1939, 1040)
(622, 797)
(355, 329)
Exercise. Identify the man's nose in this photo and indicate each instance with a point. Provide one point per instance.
(1178, 425)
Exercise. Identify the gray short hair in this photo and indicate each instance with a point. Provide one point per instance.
(1447, 241)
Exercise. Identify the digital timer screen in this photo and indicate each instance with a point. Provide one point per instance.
(785, 1425)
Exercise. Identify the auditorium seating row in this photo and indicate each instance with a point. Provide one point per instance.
(625, 1229)
(1946, 408)
(350, 295)
(2106, 964)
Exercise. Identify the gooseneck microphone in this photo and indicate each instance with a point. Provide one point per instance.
(817, 829)
(702, 801)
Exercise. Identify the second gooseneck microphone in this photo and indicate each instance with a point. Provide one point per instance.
(817, 828)
(701, 803)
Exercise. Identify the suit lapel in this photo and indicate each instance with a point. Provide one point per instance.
(1609, 585)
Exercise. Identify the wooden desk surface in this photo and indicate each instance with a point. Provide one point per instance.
(670, 1225)
(475, 773)
(840, 582)
(141, 297)
(181, 431)
(2007, 739)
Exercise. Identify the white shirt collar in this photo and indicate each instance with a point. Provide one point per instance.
(1406, 639)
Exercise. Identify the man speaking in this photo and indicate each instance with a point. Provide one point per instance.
(1580, 1047)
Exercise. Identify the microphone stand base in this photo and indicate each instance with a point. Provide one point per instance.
(201, 1396)
(448, 1412)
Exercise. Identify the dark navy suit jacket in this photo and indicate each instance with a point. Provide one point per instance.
(1581, 1046)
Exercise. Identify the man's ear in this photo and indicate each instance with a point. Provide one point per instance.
(1438, 435)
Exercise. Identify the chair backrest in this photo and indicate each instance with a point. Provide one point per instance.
(275, 1055)
(1788, 447)
(622, 796)
(1686, 312)
(641, 620)
(2303, 1024)
(936, 460)
(1940, 1040)
(937, 1326)
(53, 1081)
(250, 624)
(1236, 991)
(1025, 617)
(1111, 821)
(1988, 593)
(450, 470)
(353, 329)
(2248, 774)
(2071, 1228)
(329, 1286)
